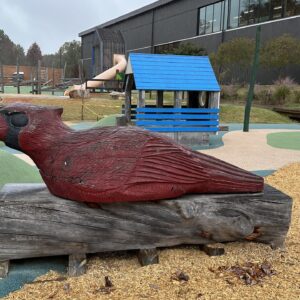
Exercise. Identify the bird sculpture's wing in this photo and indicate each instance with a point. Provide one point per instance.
(167, 162)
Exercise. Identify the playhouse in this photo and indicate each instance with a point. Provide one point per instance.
(193, 112)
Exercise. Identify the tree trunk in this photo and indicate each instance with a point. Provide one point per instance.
(34, 223)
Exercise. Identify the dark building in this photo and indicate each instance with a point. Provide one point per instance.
(206, 23)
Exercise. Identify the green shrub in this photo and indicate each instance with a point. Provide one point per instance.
(297, 96)
(263, 95)
(287, 81)
(229, 92)
(281, 94)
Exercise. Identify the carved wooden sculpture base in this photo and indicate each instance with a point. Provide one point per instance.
(34, 223)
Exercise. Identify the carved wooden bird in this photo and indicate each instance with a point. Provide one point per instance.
(115, 164)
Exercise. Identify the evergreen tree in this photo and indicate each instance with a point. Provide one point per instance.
(34, 54)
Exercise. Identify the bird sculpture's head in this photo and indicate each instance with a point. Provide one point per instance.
(26, 127)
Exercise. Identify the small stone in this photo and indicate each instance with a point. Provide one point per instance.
(180, 276)
(108, 282)
(212, 250)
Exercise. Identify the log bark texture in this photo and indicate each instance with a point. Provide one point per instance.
(34, 223)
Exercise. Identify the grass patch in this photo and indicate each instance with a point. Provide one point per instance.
(14, 170)
(235, 114)
(284, 140)
(75, 110)
(96, 109)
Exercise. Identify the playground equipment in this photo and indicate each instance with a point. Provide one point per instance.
(120, 64)
(189, 124)
(38, 77)
(123, 165)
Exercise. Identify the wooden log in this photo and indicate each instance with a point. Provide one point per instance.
(77, 264)
(213, 249)
(34, 223)
(148, 257)
(4, 266)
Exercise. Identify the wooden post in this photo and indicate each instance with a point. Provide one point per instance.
(141, 99)
(53, 83)
(128, 88)
(39, 78)
(177, 104)
(77, 264)
(32, 79)
(148, 257)
(4, 268)
(18, 79)
(160, 99)
(2, 77)
(177, 99)
(214, 100)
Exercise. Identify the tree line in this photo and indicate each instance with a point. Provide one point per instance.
(68, 55)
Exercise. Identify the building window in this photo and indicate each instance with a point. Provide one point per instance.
(236, 13)
(253, 11)
(213, 18)
(202, 20)
(244, 12)
(209, 19)
(217, 20)
(225, 14)
(264, 10)
(276, 9)
(292, 8)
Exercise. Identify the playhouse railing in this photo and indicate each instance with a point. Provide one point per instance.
(178, 119)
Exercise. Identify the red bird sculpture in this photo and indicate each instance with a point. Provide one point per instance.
(115, 164)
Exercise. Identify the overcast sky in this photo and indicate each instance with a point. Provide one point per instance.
(50, 23)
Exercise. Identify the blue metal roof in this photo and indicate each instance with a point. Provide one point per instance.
(173, 72)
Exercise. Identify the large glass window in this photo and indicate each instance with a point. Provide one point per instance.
(244, 12)
(202, 20)
(292, 8)
(217, 17)
(297, 10)
(253, 11)
(209, 18)
(225, 9)
(276, 9)
(264, 10)
(234, 14)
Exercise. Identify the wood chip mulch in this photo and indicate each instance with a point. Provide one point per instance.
(246, 271)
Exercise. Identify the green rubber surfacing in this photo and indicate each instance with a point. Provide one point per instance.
(284, 140)
(15, 170)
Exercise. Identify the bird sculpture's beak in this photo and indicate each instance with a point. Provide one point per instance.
(3, 127)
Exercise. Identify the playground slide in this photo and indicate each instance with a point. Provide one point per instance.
(120, 64)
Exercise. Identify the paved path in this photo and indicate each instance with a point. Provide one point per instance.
(250, 151)
(26, 158)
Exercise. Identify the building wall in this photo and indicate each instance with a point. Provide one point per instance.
(137, 32)
(178, 21)
(88, 42)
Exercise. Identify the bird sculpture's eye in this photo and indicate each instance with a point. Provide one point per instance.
(19, 120)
